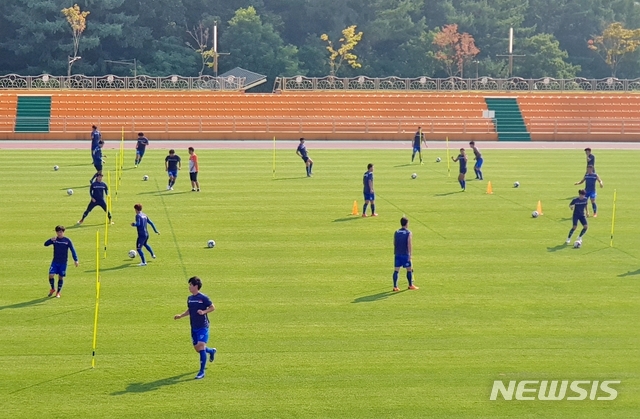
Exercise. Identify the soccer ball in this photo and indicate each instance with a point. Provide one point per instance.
(535, 214)
(577, 244)
(55, 167)
(211, 243)
(516, 184)
(145, 177)
(438, 160)
(413, 176)
(132, 253)
(69, 191)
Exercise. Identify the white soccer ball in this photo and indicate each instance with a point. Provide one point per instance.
(55, 167)
(516, 184)
(211, 243)
(69, 191)
(145, 177)
(577, 244)
(413, 176)
(132, 253)
(535, 214)
(438, 160)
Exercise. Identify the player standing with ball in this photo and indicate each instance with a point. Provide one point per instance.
(61, 247)
(172, 165)
(143, 234)
(579, 205)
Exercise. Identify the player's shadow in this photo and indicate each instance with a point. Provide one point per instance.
(163, 193)
(114, 268)
(404, 165)
(25, 303)
(375, 297)
(630, 273)
(566, 219)
(75, 187)
(351, 218)
(154, 385)
(290, 178)
(556, 248)
(445, 194)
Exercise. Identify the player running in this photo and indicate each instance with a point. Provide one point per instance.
(590, 188)
(98, 190)
(578, 205)
(402, 246)
(141, 146)
(369, 194)
(418, 140)
(172, 164)
(462, 159)
(198, 308)
(143, 234)
(302, 152)
(479, 160)
(61, 247)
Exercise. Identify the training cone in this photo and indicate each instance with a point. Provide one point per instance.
(354, 211)
(489, 188)
(539, 208)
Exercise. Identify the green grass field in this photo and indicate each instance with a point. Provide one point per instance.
(306, 324)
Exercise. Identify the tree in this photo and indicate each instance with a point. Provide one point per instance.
(614, 44)
(349, 41)
(454, 49)
(78, 22)
(544, 58)
(200, 35)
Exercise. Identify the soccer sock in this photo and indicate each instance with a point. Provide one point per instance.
(203, 360)
(584, 230)
(141, 253)
(364, 208)
(308, 170)
(413, 156)
(410, 277)
(52, 282)
(149, 249)
(109, 214)
(463, 183)
(311, 168)
(480, 174)
(373, 209)
(571, 233)
(60, 284)
(595, 207)
(460, 182)
(420, 154)
(395, 279)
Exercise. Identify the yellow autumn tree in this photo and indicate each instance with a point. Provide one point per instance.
(78, 22)
(348, 42)
(614, 43)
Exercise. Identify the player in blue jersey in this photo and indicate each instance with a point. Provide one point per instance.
(97, 160)
(462, 160)
(172, 164)
(402, 246)
(98, 192)
(141, 146)
(61, 247)
(198, 308)
(590, 179)
(418, 140)
(369, 194)
(578, 206)
(591, 159)
(479, 160)
(143, 233)
(95, 138)
(302, 152)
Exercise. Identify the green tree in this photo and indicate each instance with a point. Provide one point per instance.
(543, 58)
(614, 44)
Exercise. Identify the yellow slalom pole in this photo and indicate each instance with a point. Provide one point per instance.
(274, 157)
(95, 316)
(116, 174)
(448, 159)
(613, 217)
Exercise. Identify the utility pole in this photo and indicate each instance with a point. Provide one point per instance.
(510, 54)
(216, 54)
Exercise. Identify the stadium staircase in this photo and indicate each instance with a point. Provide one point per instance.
(33, 113)
(509, 122)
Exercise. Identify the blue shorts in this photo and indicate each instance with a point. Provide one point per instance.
(463, 171)
(58, 269)
(200, 335)
(141, 241)
(304, 159)
(140, 152)
(172, 173)
(591, 195)
(479, 163)
(581, 218)
(416, 149)
(369, 197)
(402, 261)
(98, 166)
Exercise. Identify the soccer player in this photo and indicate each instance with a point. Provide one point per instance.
(172, 164)
(98, 190)
(591, 159)
(302, 152)
(369, 194)
(479, 160)
(141, 146)
(402, 245)
(591, 178)
(143, 234)
(418, 139)
(193, 170)
(97, 160)
(95, 138)
(462, 159)
(61, 247)
(579, 205)
(198, 308)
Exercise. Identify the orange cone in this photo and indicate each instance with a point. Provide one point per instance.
(489, 188)
(354, 211)
(539, 208)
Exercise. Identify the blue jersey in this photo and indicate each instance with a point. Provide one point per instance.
(463, 163)
(95, 139)
(98, 190)
(61, 249)
(401, 242)
(172, 162)
(590, 182)
(302, 149)
(97, 155)
(143, 142)
(195, 303)
(141, 224)
(368, 186)
(417, 138)
(591, 160)
(580, 205)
